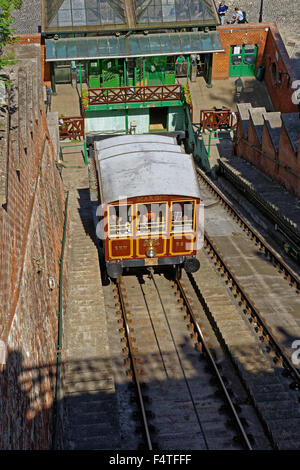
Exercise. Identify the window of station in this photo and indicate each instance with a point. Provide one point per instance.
(250, 54)
(183, 216)
(151, 218)
(120, 220)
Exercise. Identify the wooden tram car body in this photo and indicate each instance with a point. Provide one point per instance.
(150, 203)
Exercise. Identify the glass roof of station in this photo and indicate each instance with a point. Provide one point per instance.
(97, 15)
(173, 11)
(138, 45)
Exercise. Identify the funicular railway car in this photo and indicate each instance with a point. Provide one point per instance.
(149, 203)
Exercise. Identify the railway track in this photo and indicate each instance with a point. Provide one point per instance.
(186, 410)
(179, 398)
(257, 269)
(289, 274)
(169, 375)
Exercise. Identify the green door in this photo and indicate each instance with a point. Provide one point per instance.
(243, 60)
(156, 69)
(94, 73)
(111, 75)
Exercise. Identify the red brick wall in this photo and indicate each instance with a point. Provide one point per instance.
(288, 167)
(288, 158)
(271, 50)
(231, 35)
(253, 155)
(268, 165)
(277, 62)
(31, 224)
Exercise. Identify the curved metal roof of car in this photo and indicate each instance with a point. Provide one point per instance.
(144, 165)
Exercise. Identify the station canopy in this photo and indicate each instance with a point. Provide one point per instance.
(139, 45)
(114, 15)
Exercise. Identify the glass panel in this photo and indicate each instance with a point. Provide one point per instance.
(113, 46)
(168, 11)
(236, 49)
(151, 218)
(82, 48)
(249, 59)
(79, 17)
(145, 45)
(172, 11)
(236, 60)
(120, 220)
(66, 5)
(112, 12)
(186, 42)
(64, 18)
(93, 48)
(61, 51)
(103, 49)
(134, 46)
(72, 49)
(85, 12)
(155, 45)
(138, 45)
(183, 216)
(175, 43)
(250, 48)
(78, 4)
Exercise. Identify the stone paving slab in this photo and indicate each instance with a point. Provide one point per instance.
(88, 377)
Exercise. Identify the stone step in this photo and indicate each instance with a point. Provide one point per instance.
(243, 110)
(257, 118)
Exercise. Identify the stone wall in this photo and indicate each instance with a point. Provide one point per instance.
(31, 226)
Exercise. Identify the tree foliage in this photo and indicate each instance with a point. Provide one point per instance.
(6, 30)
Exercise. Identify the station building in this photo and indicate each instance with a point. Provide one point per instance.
(134, 61)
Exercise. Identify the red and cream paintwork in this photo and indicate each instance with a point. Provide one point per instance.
(150, 203)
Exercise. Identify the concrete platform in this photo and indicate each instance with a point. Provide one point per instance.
(223, 94)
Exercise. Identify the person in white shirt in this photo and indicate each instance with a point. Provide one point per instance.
(238, 17)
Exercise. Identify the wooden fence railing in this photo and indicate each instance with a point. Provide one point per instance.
(213, 119)
(134, 94)
(71, 128)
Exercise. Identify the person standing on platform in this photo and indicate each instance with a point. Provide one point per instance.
(222, 12)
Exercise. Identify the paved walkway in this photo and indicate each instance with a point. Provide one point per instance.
(89, 392)
(223, 94)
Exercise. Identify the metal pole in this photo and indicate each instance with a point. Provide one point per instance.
(144, 71)
(85, 152)
(209, 145)
(53, 85)
(261, 11)
(209, 71)
(188, 69)
(125, 74)
(80, 75)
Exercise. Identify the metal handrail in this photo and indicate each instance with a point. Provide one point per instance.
(60, 323)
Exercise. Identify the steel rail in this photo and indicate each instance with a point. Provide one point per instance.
(264, 329)
(214, 366)
(292, 277)
(133, 365)
(285, 226)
